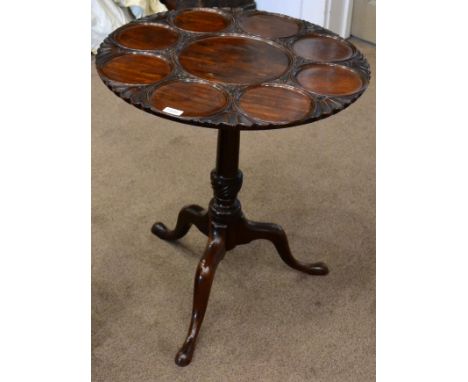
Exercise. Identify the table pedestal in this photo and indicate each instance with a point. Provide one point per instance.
(226, 227)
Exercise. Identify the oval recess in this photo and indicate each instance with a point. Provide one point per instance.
(201, 20)
(234, 59)
(136, 69)
(330, 79)
(186, 98)
(144, 36)
(275, 103)
(322, 48)
(269, 25)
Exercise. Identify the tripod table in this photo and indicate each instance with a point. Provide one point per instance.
(231, 70)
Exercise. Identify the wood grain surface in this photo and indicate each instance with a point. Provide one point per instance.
(275, 104)
(234, 59)
(330, 80)
(192, 99)
(201, 21)
(136, 69)
(268, 25)
(147, 37)
(322, 49)
(247, 70)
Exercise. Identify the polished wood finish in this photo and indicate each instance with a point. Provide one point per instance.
(268, 25)
(322, 48)
(330, 80)
(275, 104)
(147, 36)
(195, 20)
(136, 69)
(226, 227)
(214, 252)
(191, 99)
(188, 216)
(230, 52)
(230, 70)
(234, 60)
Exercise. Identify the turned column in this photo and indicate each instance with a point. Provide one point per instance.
(226, 179)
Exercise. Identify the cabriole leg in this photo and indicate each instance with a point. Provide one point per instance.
(188, 216)
(253, 231)
(214, 252)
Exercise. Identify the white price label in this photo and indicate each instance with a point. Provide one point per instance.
(172, 111)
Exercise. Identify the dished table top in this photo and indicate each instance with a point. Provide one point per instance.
(228, 68)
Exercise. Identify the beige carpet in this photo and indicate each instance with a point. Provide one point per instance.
(265, 321)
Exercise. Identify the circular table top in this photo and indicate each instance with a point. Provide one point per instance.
(220, 68)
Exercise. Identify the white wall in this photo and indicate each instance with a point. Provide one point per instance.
(314, 11)
(332, 14)
(289, 7)
(338, 16)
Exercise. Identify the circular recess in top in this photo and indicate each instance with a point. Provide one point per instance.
(332, 80)
(201, 21)
(234, 59)
(322, 48)
(136, 69)
(277, 104)
(268, 25)
(188, 99)
(146, 36)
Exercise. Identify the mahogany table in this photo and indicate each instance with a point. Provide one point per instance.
(231, 70)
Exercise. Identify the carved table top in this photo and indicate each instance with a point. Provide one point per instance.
(221, 68)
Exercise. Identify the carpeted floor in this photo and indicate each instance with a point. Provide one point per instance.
(265, 321)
